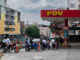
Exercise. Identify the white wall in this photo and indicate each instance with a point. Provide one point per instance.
(45, 31)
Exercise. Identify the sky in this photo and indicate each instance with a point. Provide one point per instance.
(30, 9)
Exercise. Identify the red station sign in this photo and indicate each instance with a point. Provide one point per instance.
(60, 13)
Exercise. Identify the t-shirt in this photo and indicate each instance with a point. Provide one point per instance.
(52, 42)
(7, 41)
(44, 41)
(4, 41)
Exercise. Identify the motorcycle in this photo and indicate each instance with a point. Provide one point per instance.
(15, 47)
(27, 47)
(45, 46)
(11, 47)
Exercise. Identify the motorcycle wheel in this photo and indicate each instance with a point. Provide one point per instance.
(4, 51)
(27, 49)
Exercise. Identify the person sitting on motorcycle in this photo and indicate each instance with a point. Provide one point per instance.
(3, 44)
(27, 43)
(44, 43)
(7, 42)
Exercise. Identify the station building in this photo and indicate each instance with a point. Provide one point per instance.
(72, 22)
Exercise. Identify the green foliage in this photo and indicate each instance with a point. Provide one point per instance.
(32, 31)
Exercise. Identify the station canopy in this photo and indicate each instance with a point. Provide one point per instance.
(60, 15)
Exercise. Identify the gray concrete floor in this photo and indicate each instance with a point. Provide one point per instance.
(72, 53)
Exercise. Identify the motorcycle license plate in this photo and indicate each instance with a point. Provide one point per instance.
(17, 44)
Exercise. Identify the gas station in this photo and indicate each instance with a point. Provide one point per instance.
(63, 18)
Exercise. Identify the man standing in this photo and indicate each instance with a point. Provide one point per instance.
(52, 43)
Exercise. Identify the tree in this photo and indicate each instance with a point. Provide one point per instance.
(32, 31)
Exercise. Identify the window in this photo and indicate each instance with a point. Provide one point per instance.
(9, 23)
(71, 32)
(7, 18)
(9, 29)
(12, 12)
(72, 5)
(12, 18)
(79, 6)
(7, 11)
(3, 10)
(5, 1)
(18, 16)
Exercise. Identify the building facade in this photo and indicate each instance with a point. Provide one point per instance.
(3, 2)
(74, 4)
(44, 30)
(9, 21)
(74, 31)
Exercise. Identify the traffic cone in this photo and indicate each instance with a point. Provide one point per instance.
(39, 47)
(16, 46)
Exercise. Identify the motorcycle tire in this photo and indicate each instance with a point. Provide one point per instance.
(4, 51)
(27, 49)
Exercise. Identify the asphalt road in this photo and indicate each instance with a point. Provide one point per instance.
(60, 54)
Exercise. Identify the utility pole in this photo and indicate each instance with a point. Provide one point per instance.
(22, 27)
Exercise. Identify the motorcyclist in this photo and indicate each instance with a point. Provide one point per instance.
(3, 44)
(44, 43)
(27, 43)
(7, 42)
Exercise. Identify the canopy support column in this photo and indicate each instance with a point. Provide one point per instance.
(66, 34)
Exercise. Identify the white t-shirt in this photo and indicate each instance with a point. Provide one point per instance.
(44, 41)
(7, 41)
(52, 42)
(4, 41)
